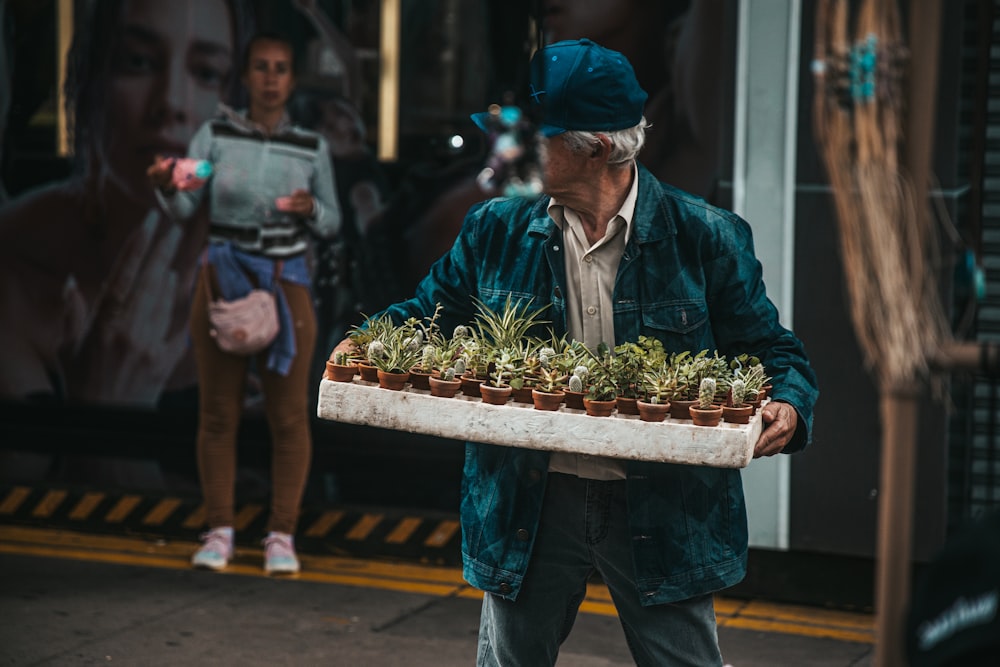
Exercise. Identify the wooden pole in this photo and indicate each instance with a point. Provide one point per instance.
(899, 405)
(898, 410)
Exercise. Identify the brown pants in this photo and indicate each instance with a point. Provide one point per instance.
(222, 385)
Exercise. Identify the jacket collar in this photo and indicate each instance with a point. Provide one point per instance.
(239, 119)
(651, 222)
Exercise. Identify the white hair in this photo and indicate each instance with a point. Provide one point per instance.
(625, 144)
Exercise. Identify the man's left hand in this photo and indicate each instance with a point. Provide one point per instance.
(780, 420)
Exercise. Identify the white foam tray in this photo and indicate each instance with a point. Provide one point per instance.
(520, 425)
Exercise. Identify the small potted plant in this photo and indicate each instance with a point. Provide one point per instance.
(736, 411)
(433, 338)
(751, 371)
(393, 354)
(508, 328)
(548, 393)
(601, 387)
(659, 387)
(627, 366)
(496, 389)
(361, 337)
(686, 369)
(339, 369)
(445, 384)
(706, 412)
(576, 387)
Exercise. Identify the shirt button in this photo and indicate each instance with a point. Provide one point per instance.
(591, 310)
(588, 259)
(523, 535)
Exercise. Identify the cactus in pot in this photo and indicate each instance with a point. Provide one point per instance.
(705, 413)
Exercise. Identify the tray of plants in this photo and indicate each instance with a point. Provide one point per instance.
(515, 424)
(490, 382)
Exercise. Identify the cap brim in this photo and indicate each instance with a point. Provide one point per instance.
(551, 130)
(481, 120)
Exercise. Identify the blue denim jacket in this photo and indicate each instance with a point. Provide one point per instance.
(690, 278)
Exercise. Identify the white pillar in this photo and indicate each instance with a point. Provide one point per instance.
(766, 119)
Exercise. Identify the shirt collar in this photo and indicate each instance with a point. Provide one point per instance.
(240, 119)
(626, 212)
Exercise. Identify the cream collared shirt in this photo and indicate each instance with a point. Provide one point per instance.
(590, 283)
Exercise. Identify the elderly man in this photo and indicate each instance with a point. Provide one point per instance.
(615, 254)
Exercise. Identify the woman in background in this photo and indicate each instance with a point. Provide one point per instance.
(272, 185)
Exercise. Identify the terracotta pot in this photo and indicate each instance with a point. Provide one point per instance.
(546, 400)
(495, 395)
(470, 386)
(652, 412)
(574, 399)
(394, 381)
(679, 409)
(523, 395)
(444, 388)
(340, 372)
(626, 406)
(418, 379)
(734, 415)
(754, 404)
(598, 408)
(710, 417)
(368, 372)
(767, 389)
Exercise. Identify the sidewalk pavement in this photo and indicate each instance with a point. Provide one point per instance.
(71, 598)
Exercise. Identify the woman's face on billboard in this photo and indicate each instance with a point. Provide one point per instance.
(170, 68)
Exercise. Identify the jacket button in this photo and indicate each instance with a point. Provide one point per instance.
(504, 589)
(522, 534)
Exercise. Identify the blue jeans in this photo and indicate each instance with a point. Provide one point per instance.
(584, 527)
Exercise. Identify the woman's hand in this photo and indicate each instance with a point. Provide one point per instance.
(300, 203)
(161, 173)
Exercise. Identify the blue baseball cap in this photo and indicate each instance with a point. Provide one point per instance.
(580, 85)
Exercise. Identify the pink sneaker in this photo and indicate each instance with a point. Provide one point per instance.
(279, 554)
(216, 549)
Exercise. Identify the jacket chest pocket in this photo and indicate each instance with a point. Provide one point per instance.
(681, 325)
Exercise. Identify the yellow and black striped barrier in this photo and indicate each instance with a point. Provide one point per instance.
(341, 531)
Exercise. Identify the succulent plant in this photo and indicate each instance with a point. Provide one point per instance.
(706, 393)
(737, 392)
(575, 383)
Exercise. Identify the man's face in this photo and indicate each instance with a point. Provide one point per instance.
(564, 169)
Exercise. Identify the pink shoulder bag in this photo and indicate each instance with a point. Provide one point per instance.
(246, 325)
